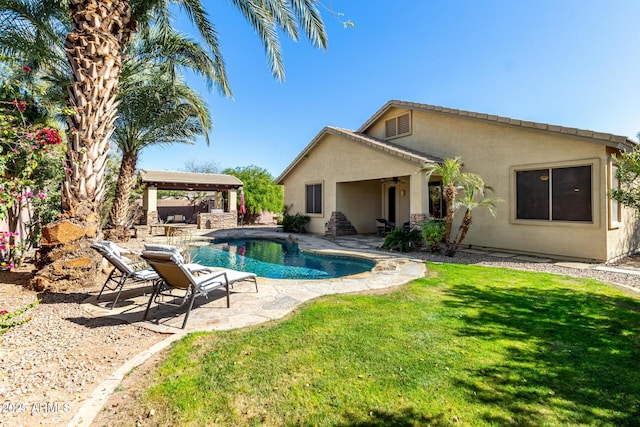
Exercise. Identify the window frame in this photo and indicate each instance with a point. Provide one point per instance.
(595, 194)
(396, 119)
(314, 184)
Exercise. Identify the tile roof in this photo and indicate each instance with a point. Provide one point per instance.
(608, 139)
(185, 179)
(384, 146)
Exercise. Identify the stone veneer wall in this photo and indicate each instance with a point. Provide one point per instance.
(415, 219)
(217, 221)
(339, 225)
(149, 217)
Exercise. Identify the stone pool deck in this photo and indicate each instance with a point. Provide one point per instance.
(275, 298)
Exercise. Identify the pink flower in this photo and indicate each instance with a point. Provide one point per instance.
(48, 136)
(3, 312)
(3, 247)
(20, 105)
(41, 195)
(26, 68)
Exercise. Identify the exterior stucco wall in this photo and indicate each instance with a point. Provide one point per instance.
(338, 160)
(356, 199)
(495, 151)
(491, 149)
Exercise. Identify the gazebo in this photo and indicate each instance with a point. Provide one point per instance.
(220, 215)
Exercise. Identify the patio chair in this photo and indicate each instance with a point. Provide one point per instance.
(383, 226)
(195, 268)
(174, 275)
(124, 271)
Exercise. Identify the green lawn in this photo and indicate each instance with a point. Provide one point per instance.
(469, 346)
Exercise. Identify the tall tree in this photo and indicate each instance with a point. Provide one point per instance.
(158, 111)
(157, 108)
(95, 47)
(261, 193)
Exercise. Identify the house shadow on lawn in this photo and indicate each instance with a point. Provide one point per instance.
(573, 353)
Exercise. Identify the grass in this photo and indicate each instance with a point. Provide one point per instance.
(469, 346)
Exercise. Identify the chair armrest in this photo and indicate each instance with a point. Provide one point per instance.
(212, 281)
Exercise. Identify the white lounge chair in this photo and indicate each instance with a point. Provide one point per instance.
(124, 271)
(174, 275)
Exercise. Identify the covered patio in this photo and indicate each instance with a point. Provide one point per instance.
(221, 197)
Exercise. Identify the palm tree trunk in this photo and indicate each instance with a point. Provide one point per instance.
(449, 195)
(120, 210)
(462, 232)
(94, 50)
(94, 47)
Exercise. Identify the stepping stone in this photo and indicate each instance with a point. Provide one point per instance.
(532, 259)
(501, 255)
(578, 265)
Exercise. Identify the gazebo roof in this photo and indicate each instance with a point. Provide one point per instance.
(169, 180)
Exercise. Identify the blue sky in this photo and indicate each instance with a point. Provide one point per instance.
(569, 63)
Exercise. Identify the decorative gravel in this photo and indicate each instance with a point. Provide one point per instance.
(591, 271)
(54, 362)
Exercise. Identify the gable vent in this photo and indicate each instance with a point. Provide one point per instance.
(390, 128)
(397, 126)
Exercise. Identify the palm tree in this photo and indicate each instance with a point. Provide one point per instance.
(453, 181)
(472, 189)
(452, 178)
(95, 48)
(155, 109)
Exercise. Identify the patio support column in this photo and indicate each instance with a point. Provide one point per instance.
(419, 200)
(233, 200)
(150, 205)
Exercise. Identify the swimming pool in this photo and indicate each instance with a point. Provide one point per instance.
(277, 259)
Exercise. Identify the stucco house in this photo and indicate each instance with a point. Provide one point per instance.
(554, 180)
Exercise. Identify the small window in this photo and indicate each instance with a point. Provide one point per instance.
(555, 194)
(314, 198)
(397, 126)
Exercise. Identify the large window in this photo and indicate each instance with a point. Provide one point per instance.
(555, 194)
(314, 198)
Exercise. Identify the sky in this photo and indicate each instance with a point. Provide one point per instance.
(569, 63)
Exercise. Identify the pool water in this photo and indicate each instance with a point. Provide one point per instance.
(277, 259)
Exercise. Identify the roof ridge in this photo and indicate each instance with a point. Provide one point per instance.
(566, 130)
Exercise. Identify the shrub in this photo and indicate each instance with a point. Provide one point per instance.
(295, 223)
(402, 240)
(433, 233)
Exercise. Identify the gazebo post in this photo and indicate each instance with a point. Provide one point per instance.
(150, 205)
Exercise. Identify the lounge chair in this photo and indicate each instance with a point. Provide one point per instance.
(232, 275)
(124, 271)
(383, 226)
(174, 275)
